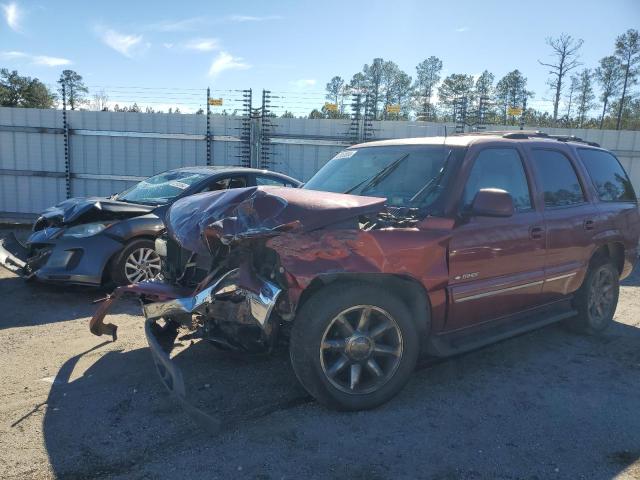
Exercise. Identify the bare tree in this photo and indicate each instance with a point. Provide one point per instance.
(628, 51)
(565, 50)
(608, 75)
(100, 101)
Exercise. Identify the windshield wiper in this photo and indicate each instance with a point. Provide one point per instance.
(378, 177)
(433, 182)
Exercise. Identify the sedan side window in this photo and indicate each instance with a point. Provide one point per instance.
(225, 183)
(499, 168)
(262, 180)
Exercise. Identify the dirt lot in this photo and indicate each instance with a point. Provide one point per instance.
(548, 404)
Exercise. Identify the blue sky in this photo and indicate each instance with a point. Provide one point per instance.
(292, 45)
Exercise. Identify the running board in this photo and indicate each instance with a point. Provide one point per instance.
(453, 343)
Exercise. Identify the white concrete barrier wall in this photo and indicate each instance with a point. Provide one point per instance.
(107, 146)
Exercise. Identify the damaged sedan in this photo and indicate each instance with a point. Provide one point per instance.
(93, 241)
(393, 249)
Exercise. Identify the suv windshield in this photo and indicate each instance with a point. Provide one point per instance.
(160, 188)
(399, 173)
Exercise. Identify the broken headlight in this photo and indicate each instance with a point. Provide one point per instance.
(86, 230)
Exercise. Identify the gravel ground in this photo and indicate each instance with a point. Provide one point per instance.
(545, 405)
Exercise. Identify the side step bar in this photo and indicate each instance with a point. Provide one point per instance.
(453, 343)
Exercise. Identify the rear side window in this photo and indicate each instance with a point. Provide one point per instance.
(608, 176)
(499, 168)
(558, 178)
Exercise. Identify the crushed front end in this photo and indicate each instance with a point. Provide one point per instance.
(246, 255)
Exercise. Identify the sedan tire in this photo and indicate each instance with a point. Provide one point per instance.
(137, 262)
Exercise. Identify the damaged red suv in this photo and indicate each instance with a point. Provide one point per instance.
(393, 249)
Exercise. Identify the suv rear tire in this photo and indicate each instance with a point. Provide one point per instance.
(597, 298)
(353, 346)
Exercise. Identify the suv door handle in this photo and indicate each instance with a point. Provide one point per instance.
(589, 224)
(536, 233)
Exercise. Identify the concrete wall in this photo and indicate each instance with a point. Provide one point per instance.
(111, 150)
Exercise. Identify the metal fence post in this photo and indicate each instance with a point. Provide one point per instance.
(209, 139)
(67, 156)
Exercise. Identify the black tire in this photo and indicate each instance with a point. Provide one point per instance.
(315, 319)
(117, 266)
(589, 320)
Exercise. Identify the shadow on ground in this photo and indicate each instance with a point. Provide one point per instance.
(61, 302)
(544, 405)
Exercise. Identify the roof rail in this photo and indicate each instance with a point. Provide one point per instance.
(522, 135)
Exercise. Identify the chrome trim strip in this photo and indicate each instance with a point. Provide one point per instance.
(560, 277)
(497, 292)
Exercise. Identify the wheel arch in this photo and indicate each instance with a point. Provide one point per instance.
(613, 250)
(408, 289)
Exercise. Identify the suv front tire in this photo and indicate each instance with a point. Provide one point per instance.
(353, 345)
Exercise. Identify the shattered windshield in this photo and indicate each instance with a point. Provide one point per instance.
(161, 188)
(399, 173)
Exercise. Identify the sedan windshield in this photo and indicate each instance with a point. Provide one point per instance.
(161, 188)
(399, 173)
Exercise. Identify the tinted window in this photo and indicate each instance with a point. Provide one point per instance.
(272, 181)
(499, 168)
(558, 178)
(608, 176)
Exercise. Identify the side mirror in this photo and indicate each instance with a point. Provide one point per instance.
(492, 202)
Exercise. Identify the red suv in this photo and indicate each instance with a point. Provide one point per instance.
(392, 249)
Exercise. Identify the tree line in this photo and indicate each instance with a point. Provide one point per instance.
(601, 96)
(392, 94)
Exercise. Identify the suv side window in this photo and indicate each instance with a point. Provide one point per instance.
(559, 181)
(608, 176)
(499, 168)
(262, 180)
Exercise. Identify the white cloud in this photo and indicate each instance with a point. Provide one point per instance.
(304, 83)
(203, 44)
(168, 46)
(12, 15)
(50, 61)
(462, 29)
(126, 44)
(184, 25)
(41, 60)
(226, 61)
(251, 18)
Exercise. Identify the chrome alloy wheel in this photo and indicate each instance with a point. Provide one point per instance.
(142, 264)
(601, 296)
(361, 349)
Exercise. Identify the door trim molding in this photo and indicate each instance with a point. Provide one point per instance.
(497, 292)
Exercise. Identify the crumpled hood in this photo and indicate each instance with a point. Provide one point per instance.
(236, 214)
(93, 209)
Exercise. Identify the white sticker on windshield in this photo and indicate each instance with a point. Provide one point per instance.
(345, 154)
(180, 185)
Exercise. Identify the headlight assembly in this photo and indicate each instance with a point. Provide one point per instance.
(86, 230)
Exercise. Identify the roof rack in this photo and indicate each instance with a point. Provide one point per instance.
(539, 134)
